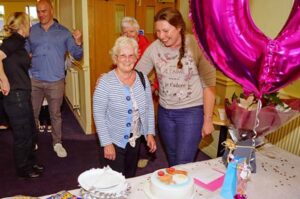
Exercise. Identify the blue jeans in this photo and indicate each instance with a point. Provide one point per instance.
(180, 131)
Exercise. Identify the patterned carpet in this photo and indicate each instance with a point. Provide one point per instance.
(61, 173)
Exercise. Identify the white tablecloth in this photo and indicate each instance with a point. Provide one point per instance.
(277, 177)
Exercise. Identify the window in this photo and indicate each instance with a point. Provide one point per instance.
(150, 13)
(119, 14)
(31, 11)
(1, 22)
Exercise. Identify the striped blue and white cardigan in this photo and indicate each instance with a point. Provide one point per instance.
(112, 109)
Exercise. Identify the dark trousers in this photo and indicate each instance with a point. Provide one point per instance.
(20, 115)
(3, 116)
(144, 150)
(126, 159)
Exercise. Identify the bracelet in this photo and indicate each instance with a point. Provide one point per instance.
(208, 116)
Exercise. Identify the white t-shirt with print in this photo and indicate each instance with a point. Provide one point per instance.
(178, 88)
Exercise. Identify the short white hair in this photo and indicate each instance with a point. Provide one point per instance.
(130, 22)
(123, 42)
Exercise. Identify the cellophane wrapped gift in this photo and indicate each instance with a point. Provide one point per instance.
(242, 113)
(248, 121)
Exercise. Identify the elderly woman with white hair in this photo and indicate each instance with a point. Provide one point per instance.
(130, 28)
(123, 110)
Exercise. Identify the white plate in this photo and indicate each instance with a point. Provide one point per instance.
(106, 180)
(151, 196)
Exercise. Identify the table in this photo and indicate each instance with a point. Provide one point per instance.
(277, 177)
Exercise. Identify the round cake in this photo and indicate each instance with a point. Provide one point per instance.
(170, 183)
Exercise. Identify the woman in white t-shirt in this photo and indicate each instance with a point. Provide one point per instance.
(186, 86)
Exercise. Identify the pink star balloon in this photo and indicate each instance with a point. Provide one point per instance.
(232, 42)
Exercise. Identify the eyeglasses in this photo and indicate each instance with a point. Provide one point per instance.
(126, 57)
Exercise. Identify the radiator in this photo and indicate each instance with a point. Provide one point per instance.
(72, 88)
(287, 137)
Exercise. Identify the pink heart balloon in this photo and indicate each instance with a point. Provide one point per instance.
(230, 39)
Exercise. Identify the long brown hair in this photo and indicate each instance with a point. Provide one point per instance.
(174, 17)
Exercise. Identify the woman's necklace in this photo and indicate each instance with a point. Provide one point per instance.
(125, 78)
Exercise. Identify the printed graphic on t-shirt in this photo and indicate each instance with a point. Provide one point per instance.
(174, 82)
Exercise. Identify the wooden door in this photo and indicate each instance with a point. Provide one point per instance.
(145, 12)
(104, 26)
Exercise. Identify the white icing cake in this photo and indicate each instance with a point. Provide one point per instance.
(166, 183)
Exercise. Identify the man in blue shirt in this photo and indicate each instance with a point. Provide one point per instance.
(48, 44)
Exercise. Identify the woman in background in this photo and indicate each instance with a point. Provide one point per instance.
(186, 87)
(130, 28)
(16, 88)
(123, 110)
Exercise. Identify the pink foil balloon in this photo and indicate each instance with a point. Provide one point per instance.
(230, 39)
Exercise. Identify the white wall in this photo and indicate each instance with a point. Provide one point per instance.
(270, 15)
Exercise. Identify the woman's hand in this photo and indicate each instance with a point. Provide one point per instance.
(208, 127)
(110, 152)
(4, 87)
(209, 94)
(151, 143)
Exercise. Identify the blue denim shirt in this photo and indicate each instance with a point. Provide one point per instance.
(48, 51)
